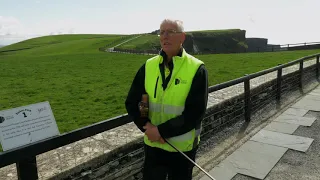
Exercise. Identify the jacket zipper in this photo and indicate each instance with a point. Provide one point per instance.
(155, 90)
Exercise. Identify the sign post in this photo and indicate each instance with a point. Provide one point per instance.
(27, 124)
(24, 125)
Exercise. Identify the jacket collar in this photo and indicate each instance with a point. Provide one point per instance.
(180, 55)
(164, 55)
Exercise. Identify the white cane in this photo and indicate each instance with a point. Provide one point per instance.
(194, 163)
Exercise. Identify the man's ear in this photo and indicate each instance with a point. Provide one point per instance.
(183, 37)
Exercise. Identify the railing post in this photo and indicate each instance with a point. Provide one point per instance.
(317, 68)
(279, 79)
(27, 169)
(301, 74)
(247, 100)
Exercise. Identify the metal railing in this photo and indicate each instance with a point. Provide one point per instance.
(228, 50)
(246, 80)
(285, 47)
(266, 48)
(25, 157)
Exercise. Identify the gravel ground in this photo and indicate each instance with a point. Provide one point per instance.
(295, 165)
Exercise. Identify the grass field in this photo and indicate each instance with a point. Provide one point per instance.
(84, 86)
(225, 67)
(57, 39)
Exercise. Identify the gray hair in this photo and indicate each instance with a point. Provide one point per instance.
(178, 23)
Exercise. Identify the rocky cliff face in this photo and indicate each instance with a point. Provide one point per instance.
(256, 44)
(216, 41)
(188, 43)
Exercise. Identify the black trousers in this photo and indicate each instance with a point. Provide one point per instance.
(160, 164)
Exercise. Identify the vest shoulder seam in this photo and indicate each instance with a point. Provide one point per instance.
(153, 58)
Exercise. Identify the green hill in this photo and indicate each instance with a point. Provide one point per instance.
(59, 44)
(206, 41)
(84, 85)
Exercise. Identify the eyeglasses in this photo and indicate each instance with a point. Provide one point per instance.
(169, 32)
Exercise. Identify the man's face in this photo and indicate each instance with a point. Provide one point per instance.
(170, 38)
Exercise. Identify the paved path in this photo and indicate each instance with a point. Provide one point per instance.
(287, 148)
(112, 48)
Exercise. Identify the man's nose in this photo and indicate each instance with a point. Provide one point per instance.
(165, 34)
(164, 37)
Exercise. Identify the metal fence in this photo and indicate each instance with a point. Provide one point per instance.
(228, 50)
(25, 157)
(287, 47)
(266, 48)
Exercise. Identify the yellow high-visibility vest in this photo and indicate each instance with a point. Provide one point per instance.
(169, 103)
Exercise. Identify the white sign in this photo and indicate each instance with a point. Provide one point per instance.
(26, 124)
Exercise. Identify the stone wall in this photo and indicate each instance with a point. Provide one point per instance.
(256, 44)
(126, 162)
(218, 42)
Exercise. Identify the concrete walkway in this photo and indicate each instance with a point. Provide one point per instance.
(126, 41)
(267, 153)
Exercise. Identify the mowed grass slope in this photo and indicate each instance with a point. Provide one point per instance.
(74, 76)
(226, 67)
(49, 40)
(70, 47)
(84, 86)
(81, 88)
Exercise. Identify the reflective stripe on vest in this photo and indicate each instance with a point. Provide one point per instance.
(186, 136)
(167, 109)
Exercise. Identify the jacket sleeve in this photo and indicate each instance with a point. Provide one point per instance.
(195, 108)
(134, 97)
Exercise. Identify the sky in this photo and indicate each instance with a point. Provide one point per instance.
(280, 21)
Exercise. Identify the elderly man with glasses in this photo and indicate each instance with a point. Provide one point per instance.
(176, 84)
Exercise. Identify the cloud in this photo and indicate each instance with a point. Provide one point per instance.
(10, 25)
(12, 30)
(9, 20)
(9, 39)
(53, 26)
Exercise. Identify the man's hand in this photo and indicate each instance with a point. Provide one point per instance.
(148, 125)
(153, 133)
(162, 140)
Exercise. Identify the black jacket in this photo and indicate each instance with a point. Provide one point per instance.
(195, 106)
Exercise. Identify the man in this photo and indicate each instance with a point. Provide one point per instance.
(177, 87)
